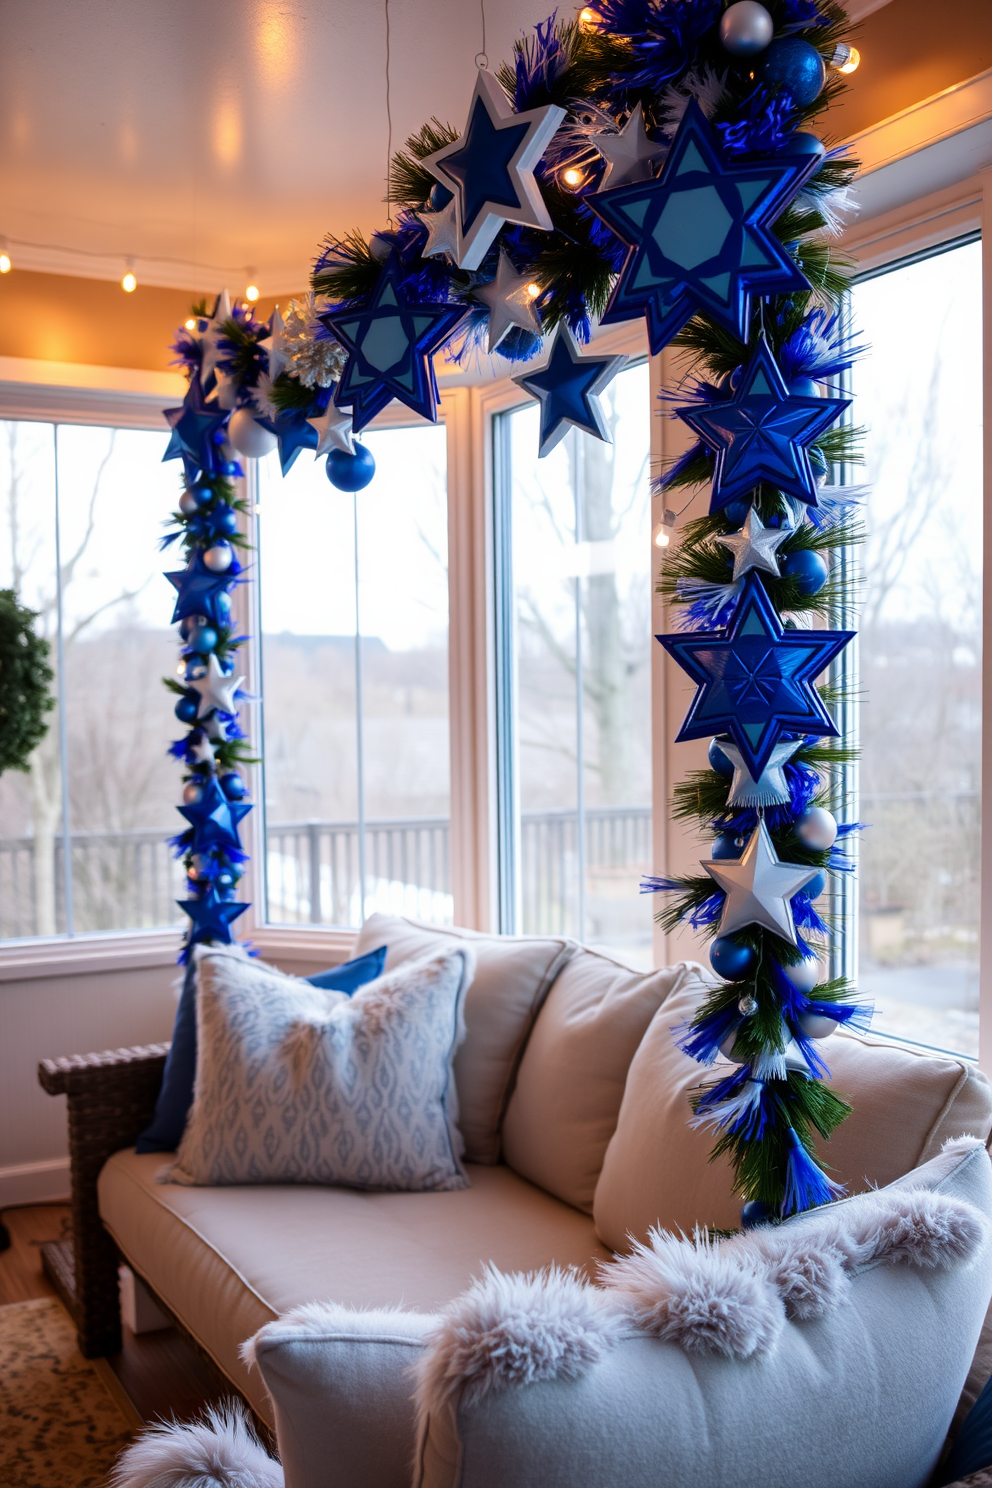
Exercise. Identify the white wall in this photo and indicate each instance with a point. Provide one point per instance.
(64, 1013)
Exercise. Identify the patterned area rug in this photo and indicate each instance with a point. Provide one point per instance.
(59, 1428)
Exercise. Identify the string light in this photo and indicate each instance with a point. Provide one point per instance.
(588, 19)
(191, 323)
(572, 177)
(845, 58)
(5, 263)
(251, 292)
(533, 290)
(129, 283)
(661, 537)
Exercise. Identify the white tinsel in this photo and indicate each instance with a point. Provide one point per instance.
(261, 397)
(316, 362)
(705, 86)
(740, 1107)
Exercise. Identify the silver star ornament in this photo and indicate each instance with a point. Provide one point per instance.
(754, 546)
(216, 689)
(275, 345)
(478, 217)
(442, 231)
(333, 428)
(211, 337)
(202, 751)
(630, 155)
(509, 301)
(771, 787)
(759, 888)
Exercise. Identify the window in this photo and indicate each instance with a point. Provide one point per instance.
(83, 843)
(354, 662)
(919, 391)
(573, 628)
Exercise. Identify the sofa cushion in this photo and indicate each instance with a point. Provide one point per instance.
(657, 1171)
(512, 979)
(227, 1260)
(563, 1110)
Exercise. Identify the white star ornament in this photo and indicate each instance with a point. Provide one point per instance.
(630, 155)
(442, 231)
(333, 428)
(759, 888)
(211, 337)
(216, 689)
(509, 302)
(274, 345)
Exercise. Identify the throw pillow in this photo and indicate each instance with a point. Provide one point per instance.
(295, 1084)
(176, 1095)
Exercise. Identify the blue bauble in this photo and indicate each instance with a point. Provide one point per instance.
(187, 708)
(232, 785)
(796, 66)
(736, 512)
(804, 387)
(203, 639)
(224, 520)
(720, 762)
(351, 472)
(222, 606)
(202, 493)
(816, 886)
(730, 960)
(727, 845)
(754, 1213)
(806, 569)
(818, 461)
(802, 143)
(230, 468)
(439, 198)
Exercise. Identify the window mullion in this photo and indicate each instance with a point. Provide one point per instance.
(63, 723)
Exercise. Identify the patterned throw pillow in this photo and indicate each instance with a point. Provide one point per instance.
(295, 1084)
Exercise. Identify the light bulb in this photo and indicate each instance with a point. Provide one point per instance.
(846, 58)
(251, 293)
(662, 538)
(5, 263)
(572, 177)
(588, 18)
(129, 283)
(191, 323)
(533, 290)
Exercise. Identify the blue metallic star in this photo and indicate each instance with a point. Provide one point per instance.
(294, 433)
(200, 591)
(755, 679)
(194, 426)
(700, 235)
(568, 388)
(763, 433)
(211, 917)
(490, 169)
(214, 819)
(391, 341)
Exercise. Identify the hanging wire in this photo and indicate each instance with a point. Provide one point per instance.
(481, 60)
(389, 126)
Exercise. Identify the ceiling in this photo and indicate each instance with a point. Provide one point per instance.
(207, 137)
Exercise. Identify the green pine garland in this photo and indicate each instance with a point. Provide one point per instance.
(25, 683)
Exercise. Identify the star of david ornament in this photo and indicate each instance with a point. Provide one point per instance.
(771, 787)
(763, 433)
(390, 343)
(214, 818)
(629, 154)
(754, 546)
(699, 235)
(755, 678)
(509, 302)
(489, 169)
(199, 590)
(568, 388)
(759, 887)
(333, 429)
(211, 917)
(193, 426)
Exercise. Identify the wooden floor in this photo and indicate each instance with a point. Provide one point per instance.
(158, 1372)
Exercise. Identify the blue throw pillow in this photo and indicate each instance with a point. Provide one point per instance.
(176, 1094)
(972, 1449)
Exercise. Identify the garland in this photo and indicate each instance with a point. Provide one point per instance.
(25, 697)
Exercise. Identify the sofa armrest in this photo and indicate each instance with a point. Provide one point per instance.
(111, 1099)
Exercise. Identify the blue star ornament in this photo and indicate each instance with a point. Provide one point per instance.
(294, 433)
(194, 426)
(199, 590)
(699, 235)
(214, 818)
(390, 343)
(755, 679)
(211, 917)
(490, 169)
(568, 388)
(763, 433)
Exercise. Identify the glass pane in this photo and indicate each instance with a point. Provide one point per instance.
(580, 522)
(32, 901)
(317, 796)
(114, 495)
(919, 391)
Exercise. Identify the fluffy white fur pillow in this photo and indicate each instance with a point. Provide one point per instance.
(295, 1084)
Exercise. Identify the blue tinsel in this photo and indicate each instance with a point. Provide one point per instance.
(806, 1185)
(764, 124)
(663, 36)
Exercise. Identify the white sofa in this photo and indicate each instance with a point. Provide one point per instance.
(573, 1102)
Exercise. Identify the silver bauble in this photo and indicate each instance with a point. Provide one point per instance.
(747, 1007)
(805, 974)
(817, 829)
(219, 558)
(746, 28)
(816, 1026)
(188, 503)
(249, 437)
(191, 793)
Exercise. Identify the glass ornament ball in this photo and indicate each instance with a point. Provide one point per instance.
(736, 513)
(804, 143)
(795, 67)
(188, 503)
(194, 669)
(219, 558)
(187, 709)
(222, 607)
(732, 961)
(817, 828)
(225, 881)
(439, 198)
(816, 886)
(224, 520)
(203, 639)
(350, 472)
(230, 468)
(720, 762)
(804, 387)
(249, 437)
(816, 1026)
(746, 28)
(192, 793)
(754, 1213)
(727, 845)
(805, 974)
(747, 1007)
(202, 493)
(232, 785)
(806, 569)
